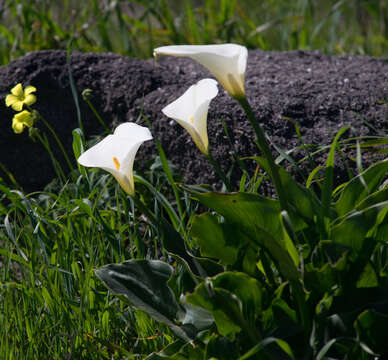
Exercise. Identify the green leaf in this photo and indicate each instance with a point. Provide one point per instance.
(354, 229)
(78, 146)
(268, 341)
(281, 257)
(325, 349)
(246, 288)
(284, 314)
(217, 301)
(143, 283)
(303, 201)
(217, 240)
(234, 299)
(200, 318)
(289, 237)
(220, 347)
(78, 149)
(373, 199)
(368, 277)
(356, 191)
(258, 218)
(245, 209)
(320, 280)
(178, 351)
(169, 351)
(323, 278)
(328, 177)
(372, 328)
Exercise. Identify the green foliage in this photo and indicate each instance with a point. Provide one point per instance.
(198, 274)
(305, 282)
(50, 300)
(135, 27)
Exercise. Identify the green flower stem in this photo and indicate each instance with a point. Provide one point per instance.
(57, 167)
(97, 115)
(304, 312)
(219, 171)
(265, 149)
(56, 138)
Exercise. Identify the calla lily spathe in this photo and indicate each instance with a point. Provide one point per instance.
(227, 62)
(116, 153)
(191, 109)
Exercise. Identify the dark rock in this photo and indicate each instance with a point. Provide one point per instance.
(320, 93)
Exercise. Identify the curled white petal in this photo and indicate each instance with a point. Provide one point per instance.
(116, 153)
(130, 130)
(227, 62)
(191, 109)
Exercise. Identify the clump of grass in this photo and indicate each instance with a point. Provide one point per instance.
(135, 27)
(50, 300)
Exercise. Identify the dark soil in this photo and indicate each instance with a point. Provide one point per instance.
(318, 92)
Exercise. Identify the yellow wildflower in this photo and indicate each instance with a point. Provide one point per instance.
(22, 119)
(19, 97)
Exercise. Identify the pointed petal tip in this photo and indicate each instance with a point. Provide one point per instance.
(132, 130)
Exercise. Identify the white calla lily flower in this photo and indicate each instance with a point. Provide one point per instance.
(227, 62)
(116, 153)
(191, 109)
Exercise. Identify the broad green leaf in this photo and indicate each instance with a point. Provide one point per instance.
(245, 209)
(250, 262)
(353, 229)
(200, 318)
(280, 319)
(303, 201)
(322, 278)
(143, 283)
(368, 277)
(217, 240)
(234, 300)
(372, 328)
(281, 257)
(355, 191)
(210, 267)
(223, 305)
(246, 288)
(283, 311)
(258, 218)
